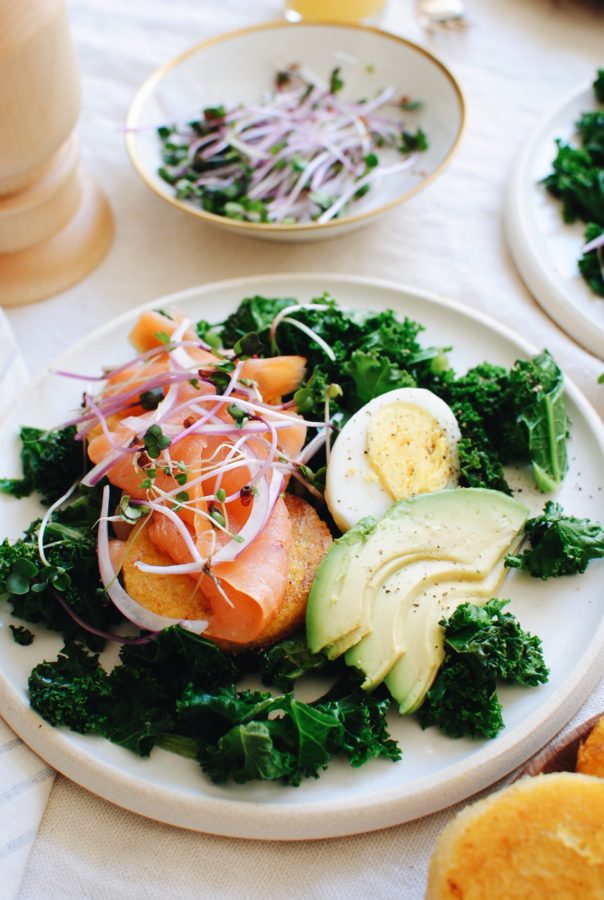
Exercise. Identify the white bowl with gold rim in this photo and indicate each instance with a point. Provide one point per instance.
(240, 66)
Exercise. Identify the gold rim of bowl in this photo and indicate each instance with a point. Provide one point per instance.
(263, 227)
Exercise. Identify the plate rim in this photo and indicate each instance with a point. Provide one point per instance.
(258, 229)
(540, 278)
(313, 819)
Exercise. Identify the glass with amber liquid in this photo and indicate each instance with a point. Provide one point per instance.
(334, 10)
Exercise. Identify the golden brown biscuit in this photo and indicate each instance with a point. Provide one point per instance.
(590, 756)
(177, 596)
(542, 838)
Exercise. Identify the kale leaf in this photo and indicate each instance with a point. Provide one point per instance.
(577, 180)
(283, 663)
(179, 657)
(579, 183)
(69, 690)
(177, 692)
(506, 415)
(560, 544)
(252, 735)
(538, 390)
(482, 645)
(598, 86)
(373, 374)
(591, 130)
(51, 462)
(373, 351)
(22, 635)
(252, 314)
(35, 591)
(589, 263)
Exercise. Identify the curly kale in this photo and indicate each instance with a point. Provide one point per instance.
(22, 635)
(504, 415)
(589, 263)
(373, 352)
(483, 645)
(241, 735)
(598, 86)
(35, 590)
(69, 690)
(511, 415)
(283, 663)
(579, 183)
(577, 179)
(560, 544)
(179, 691)
(51, 462)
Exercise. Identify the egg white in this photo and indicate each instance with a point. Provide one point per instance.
(353, 487)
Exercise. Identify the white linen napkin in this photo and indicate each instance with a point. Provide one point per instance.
(25, 780)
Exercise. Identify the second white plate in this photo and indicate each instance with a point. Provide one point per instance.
(544, 247)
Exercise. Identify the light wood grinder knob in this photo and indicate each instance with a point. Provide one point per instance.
(55, 223)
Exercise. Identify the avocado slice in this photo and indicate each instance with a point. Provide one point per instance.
(328, 615)
(412, 676)
(371, 577)
(477, 540)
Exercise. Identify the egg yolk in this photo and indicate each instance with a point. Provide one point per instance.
(408, 450)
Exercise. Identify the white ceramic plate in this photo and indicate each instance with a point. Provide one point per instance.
(435, 771)
(240, 66)
(544, 247)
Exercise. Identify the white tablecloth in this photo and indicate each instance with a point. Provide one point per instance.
(514, 61)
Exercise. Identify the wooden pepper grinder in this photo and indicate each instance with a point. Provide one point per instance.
(55, 223)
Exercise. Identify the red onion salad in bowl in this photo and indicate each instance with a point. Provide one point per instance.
(295, 132)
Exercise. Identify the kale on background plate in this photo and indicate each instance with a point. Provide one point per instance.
(577, 180)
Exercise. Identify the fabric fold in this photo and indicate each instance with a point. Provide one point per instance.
(25, 780)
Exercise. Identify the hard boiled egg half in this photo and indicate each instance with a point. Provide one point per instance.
(399, 444)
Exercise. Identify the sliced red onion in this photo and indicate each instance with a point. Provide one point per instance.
(311, 448)
(295, 307)
(296, 138)
(148, 354)
(347, 196)
(264, 502)
(593, 244)
(127, 605)
(106, 635)
(101, 469)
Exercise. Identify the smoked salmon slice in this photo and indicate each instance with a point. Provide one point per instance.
(209, 479)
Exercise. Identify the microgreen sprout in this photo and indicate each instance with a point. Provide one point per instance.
(131, 513)
(155, 441)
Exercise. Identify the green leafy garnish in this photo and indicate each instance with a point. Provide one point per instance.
(483, 645)
(51, 461)
(539, 398)
(155, 441)
(414, 141)
(179, 691)
(335, 81)
(70, 547)
(560, 544)
(589, 263)
(22, 635)
(577, 180)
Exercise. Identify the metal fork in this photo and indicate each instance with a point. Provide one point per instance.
(441, 14)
